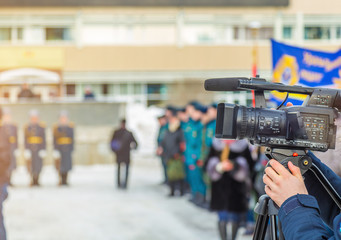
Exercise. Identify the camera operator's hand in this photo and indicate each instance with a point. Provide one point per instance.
(280, 184)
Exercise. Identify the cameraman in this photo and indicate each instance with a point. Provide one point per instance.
(299, 213)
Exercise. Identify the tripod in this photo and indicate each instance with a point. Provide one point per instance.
(267, 209)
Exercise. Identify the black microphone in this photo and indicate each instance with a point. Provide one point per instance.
(223, 84)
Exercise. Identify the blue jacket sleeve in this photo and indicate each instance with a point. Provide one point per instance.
(300, 218)
(329, 209)
(337, 227)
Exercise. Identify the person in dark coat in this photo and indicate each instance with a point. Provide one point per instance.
(122, 142)
(63, 142)
(171, 149)
(12, 132)
(35, 145)
(230, 183)
(5, 163)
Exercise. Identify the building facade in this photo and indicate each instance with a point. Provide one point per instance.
(153, 53)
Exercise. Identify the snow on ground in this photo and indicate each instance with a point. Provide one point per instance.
(92, 208)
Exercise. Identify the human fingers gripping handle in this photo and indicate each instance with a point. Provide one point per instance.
(295, 170)
(282, 184)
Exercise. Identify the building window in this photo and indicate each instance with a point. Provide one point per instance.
(266, 33)
(58, 34)
(138, 88)
(105, 89)
(154, 102)
(70, 89)
(200, 34)
(314, 32)
(338, 32)
(123, 89)
(205, 38)
(157, 89)
(20, 34)
(236, 32)
(5, 34)
(246, 33)
(287, 32)
(6, 94)
(263, 33)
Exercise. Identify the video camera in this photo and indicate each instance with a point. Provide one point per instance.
(288, 132)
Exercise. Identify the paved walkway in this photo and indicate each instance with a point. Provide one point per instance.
(92, 208)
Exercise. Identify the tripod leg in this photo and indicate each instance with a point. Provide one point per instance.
(260, 229)
(273, 227)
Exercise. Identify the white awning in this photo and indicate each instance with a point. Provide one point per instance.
(30, 76)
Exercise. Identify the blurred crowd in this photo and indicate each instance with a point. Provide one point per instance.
(219, 175)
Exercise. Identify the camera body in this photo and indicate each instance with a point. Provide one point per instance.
(307, 127)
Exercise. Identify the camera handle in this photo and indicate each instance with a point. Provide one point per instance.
(298, 157)
(266, 208)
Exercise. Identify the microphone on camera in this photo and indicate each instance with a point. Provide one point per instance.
(257, 84)
(238, 84)
(223, 84)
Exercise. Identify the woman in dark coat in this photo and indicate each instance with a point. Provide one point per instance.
(171, 149)
(230, 183)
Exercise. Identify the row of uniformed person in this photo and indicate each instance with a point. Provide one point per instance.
(35, 145)
(197, 123)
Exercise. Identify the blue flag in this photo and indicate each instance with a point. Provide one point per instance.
(300, 66)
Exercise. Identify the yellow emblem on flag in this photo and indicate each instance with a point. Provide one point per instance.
(287, 72)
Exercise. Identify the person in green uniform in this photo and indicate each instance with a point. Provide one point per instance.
(193, 150)
(208, 130)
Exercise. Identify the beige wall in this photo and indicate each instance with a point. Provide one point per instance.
(159, 58)
(130, 58)
(165, 58)
(303, 6)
